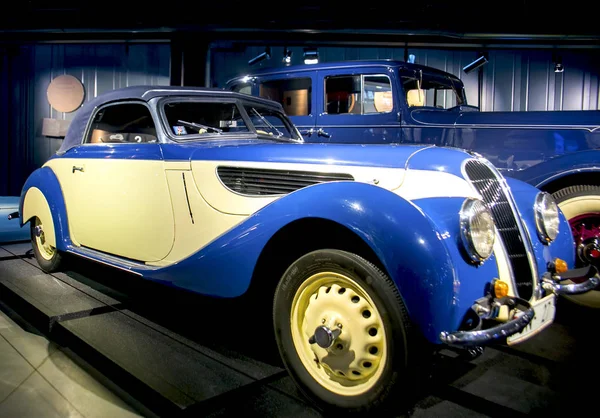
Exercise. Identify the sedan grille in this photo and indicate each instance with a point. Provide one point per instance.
(261, 182)
(488, 185)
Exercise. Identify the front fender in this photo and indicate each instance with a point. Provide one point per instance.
(562, 247)
(399, 233)
(43, 187)
(558, 167)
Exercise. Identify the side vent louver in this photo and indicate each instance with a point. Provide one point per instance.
(261, 182)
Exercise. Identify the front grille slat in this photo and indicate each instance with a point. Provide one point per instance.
(488, 185)
(263, 182)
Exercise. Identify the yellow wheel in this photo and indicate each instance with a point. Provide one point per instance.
(342, 331)
(46, 255)
(351, 364)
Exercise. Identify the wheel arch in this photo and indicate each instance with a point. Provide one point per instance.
(305, 235)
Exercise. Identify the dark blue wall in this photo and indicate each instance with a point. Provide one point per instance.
(26, 72)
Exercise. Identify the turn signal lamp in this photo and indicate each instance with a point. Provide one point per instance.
(500, 288)
(560, 265)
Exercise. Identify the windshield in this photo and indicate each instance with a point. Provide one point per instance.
(270, 122)
(189, 119)
(435, 91)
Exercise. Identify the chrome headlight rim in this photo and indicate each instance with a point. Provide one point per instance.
(543, 201)
(470, 209)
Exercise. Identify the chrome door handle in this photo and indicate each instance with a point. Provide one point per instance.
(77, 168)
(322, 133)
(307, 132)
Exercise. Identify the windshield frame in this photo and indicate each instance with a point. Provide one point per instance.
(211, 136)
(455, 84)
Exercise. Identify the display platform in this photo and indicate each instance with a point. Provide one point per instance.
(181, 355)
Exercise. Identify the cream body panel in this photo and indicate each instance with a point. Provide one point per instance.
(504, 273)
(221, 198)
(35, 204)
(120, 207)
(421, 184)
(207, 225)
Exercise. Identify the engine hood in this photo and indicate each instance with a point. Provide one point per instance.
(239, 179)
(380, 156)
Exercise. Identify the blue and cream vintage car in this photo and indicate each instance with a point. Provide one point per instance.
(368, 251)
(393, 102)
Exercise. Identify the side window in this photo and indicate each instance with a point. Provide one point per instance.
(358, 94)
(377, 94)
(122, 123)
(293, 94)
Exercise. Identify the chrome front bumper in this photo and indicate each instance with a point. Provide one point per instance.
(497, 333)
(583, 280)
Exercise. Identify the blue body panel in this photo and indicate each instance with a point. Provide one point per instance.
(562, 247)
(11, 230)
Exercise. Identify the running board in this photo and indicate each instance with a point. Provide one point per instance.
(111, 260)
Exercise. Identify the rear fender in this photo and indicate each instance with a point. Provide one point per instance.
(42, 197)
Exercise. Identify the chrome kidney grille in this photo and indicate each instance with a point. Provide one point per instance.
(494, 195)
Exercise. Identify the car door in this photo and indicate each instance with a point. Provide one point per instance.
(357, 105)
(115, 187)
(295, 92)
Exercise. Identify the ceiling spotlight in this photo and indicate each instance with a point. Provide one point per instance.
(558, 65)
(264, 56)
(287, 56)
(311, 56)
(479, 62)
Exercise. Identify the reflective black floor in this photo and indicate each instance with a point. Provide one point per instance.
(177, 354)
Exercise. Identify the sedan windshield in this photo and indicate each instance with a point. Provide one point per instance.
(269, 122)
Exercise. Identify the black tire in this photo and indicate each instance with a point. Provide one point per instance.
(393, 379)
(48, 257)
(575, 201)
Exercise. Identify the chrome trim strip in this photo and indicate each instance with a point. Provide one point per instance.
(590, 128)
(324, 125)
(118, 263)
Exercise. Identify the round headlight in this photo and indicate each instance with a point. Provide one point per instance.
(477, 229)
(546, 217)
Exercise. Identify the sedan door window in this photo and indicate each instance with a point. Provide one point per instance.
(358, 94)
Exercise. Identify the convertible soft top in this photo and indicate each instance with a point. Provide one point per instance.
(145, 93)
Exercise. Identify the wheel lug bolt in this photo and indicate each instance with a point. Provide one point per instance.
(339, 325)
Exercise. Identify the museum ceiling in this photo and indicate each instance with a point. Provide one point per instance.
(463, 20)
